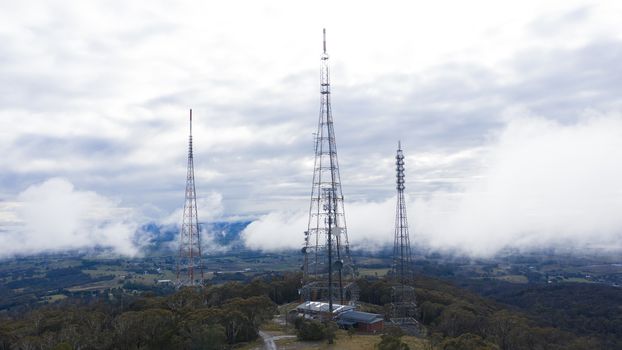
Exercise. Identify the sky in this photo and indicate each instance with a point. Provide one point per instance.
(509, 114)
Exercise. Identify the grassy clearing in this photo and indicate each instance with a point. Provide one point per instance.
(101, 285)
(344, 342)
(513, 278)
(577, 280)
(273, 328)
(55, 297)
(366, 307)
(104, 272)
(373, 272)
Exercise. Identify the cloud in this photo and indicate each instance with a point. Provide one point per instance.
(276, 231)
(53, 216)
(79, 98)
(546, 185)
(209, 208)
(540, 184)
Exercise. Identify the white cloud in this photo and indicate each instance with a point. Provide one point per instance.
(209, 208)
(53, 216)
(542, 185)
(545, 185)
(88, 93)
(276, 231)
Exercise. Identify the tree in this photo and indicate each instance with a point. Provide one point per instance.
(310, 329)
(467, 341)
(205, 337)
(430, 311)
(62, 346)
(331, 331)
(391, 342)
(510, 331)
(455, 320)
(150, 328)
(351, 332)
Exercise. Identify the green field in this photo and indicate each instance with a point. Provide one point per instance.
(373, 272)
(513, 278)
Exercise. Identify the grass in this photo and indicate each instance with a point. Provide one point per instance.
(373, 272)
(513, 278)
(104, 272)
(366, 307)
(577, 280)
(55, 297)
(273, 328)
(257, 344)
(94, 286)
(344, 342)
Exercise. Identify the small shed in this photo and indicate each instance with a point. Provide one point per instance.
(320, 309)
(363, 321)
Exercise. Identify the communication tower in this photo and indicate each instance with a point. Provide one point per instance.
(189, 261)
(403, 306)
(328, 267)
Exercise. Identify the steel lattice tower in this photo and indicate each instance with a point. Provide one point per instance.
(402, 261)
(403, 306)
(328, 267)
(189, 262)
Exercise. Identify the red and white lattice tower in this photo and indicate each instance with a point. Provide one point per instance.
(189, 261)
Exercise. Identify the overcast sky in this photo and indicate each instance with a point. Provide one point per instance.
(510, 115)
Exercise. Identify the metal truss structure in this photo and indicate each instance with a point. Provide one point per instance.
(189, 261)
(403, 306)
(328, 267)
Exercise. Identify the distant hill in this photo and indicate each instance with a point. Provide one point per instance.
(218, 236)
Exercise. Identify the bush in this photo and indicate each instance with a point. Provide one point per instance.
(62, 346)
(391, 342)
(467, 341)
(310, 329)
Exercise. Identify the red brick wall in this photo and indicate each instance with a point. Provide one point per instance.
(373, 327)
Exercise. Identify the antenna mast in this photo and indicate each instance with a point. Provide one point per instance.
(403, 306)
(328, 267)
(402, 261)
(189, 262)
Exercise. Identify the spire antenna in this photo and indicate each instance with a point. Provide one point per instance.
(324, 33)
(328, 267)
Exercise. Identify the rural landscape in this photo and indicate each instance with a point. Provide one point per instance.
(536, 301)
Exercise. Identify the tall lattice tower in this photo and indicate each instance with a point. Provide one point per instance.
(189, 261)
(403, 306)
(328, 267)
(402, 261)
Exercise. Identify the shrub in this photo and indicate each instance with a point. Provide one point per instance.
(310, 330)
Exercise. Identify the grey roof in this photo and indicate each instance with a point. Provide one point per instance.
(319, 306)
(345, 323)
(359, 316)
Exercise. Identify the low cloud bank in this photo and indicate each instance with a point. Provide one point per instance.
(276, 231)
(53, 216)
(542, 185)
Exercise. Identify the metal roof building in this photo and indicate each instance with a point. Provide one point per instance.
(363, 321)
(317, 307)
